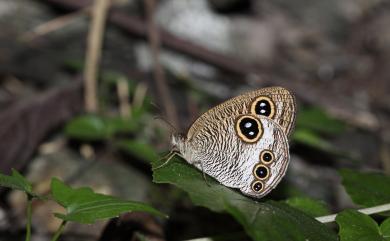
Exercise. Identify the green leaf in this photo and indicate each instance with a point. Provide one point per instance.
(140, 236)
(312, 139)
(87, 128)
(97, 128)
(356, 226)
(310, 206)
(227, 236)
(317, 120)
(18, 182)
(261, 220)
(119, 124)
(385, 229)
(366, 189)
(85, 206)
(139, 149)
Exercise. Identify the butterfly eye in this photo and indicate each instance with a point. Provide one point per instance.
(257, 186)
(249, 128)
(261, 172)
(267, 156)
(263, 106)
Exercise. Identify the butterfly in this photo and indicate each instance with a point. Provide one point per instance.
(243, 142)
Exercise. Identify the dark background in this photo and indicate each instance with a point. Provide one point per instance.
(332, 54)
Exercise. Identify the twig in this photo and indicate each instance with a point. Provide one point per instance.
(94, 48)
(122, 88)
(368, 211)
(139, 95)
(54, 24)
(159, 76)
(59, 231)
(29, 216)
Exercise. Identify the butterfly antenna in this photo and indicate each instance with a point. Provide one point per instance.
(169, 157)
(166, 122)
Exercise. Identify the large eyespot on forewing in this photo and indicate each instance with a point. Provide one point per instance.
(248, 128)
(264, 106)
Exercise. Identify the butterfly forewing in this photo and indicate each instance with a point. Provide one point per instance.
(276, 103)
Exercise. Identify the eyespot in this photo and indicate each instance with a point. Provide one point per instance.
(249, 128)
(267, 156)
(257, 186)
(263, 105)
(261, 172)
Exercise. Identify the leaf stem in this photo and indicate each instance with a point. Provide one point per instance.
(29, 217)
(58, 233)
(368, 211)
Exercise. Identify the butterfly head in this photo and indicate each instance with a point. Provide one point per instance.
(178, 142)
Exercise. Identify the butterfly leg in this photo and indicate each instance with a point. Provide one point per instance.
(169, 156)
(204, 174)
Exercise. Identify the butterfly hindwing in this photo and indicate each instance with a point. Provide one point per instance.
(264, 161)
(244, 164)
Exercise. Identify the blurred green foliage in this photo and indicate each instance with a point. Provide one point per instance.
(314, 208)
(82, 205)
(317, 120)
(315, 129)
(139, 149)
(85, 206)
(366, 189)
(17, 181)
(358, 226)
(98, 128)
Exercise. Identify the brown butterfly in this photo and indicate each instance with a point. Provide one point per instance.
(243, 142)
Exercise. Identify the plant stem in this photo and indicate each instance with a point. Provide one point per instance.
(55, 24)
(29, 215)
(368, 211)
(59, 231)
(93, 53)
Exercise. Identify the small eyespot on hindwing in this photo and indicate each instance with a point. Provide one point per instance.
(261, 171)
(257, 186)
(267, 156)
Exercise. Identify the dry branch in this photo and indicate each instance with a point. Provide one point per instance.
(122, 87)
(95, 39)
(54, 24)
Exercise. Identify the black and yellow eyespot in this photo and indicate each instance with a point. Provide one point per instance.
(249, 128)
(267, 156)
(261, 171)
(257, 186)
(263, 105)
